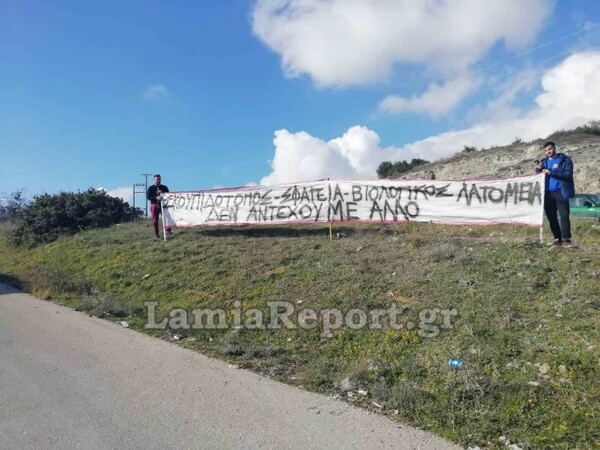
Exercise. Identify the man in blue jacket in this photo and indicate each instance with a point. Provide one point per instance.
(560, 187)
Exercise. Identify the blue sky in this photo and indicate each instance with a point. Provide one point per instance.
(218, 93)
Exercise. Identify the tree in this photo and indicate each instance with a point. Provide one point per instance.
(11, 206)
(49, 216)
(384, 169)
(393, 170)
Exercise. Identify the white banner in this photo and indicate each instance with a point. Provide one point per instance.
(512, 201)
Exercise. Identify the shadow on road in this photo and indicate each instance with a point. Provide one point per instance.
(9, 284)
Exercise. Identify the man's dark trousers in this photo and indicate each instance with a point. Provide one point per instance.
(155, 213)
(555, 203)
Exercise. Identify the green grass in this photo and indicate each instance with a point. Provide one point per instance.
(527, 325)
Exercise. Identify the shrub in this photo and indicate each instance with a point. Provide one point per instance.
(592, 128)
(49, 216)
(50, 281)
(444, 252)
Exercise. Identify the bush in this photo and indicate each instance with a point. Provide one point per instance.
(49, 216)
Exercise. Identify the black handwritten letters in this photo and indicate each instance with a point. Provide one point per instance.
(513, 193)
(374, 201)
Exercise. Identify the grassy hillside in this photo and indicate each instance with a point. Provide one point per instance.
(527, 322)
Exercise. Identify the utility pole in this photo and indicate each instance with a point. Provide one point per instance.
(136, 191)
(146, 175)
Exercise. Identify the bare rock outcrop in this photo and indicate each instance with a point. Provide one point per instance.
(517, 159)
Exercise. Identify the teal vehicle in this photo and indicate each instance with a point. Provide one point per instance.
(585, 205)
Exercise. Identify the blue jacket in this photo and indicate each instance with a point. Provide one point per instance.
(564, 174)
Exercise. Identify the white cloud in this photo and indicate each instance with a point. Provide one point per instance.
(351, 42)
(154, 91)
(437, 101)
(570, 97)
(301, 157)
(126, 194)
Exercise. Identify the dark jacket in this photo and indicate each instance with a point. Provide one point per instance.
(564, 174)
(153, 192)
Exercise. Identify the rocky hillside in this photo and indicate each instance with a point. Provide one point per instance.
(517, 159)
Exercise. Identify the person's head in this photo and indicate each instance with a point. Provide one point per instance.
(157, 179)
(549, 149)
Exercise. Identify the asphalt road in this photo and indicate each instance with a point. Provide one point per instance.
(71, 381)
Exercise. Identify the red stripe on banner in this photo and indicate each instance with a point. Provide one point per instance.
(258, 186)
(430, 180)
(387, 222)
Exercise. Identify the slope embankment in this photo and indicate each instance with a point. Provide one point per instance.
(523, 320)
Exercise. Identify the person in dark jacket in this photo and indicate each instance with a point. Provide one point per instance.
(154, 195)
(560, 187)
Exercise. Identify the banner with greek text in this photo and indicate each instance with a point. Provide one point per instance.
(516, 200)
